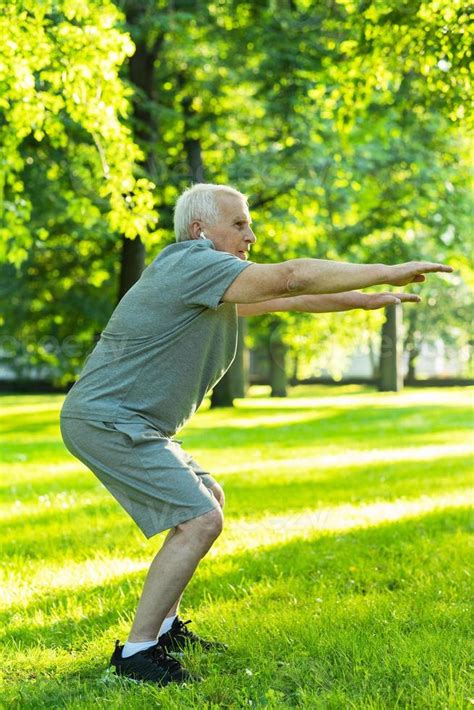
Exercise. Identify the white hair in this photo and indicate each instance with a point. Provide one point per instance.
(199, 203)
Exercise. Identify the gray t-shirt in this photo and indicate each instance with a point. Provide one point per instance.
(167, 343)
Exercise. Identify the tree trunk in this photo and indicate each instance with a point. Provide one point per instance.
(141, 71)
(294, 375)
(131, 264)
(411, 372)
(234, 382)
(411, 347)
(391, 376)
(278, 378)
(192, 146)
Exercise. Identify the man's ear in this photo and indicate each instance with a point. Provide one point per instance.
(195, 230)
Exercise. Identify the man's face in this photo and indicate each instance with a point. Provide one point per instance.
(232, 233)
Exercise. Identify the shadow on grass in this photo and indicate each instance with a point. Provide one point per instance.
(332, 421)
(337, 553)
(354, 560)
(388, 565)
(76, 531)
(373, 426)
(365, 484)
(78, 483)
(82, 526)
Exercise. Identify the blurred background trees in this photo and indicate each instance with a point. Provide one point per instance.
(345, 122)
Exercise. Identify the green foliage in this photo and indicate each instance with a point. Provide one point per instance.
(63, 124)
(373, 163)
(341, 579)
(345, 123)
(70, 181)
(56, 302)
(324, 116)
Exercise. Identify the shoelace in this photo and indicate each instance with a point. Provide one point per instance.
(183, 629)
(159, 656)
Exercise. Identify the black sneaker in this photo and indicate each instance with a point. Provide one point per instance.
(179, 637)
(152, 664)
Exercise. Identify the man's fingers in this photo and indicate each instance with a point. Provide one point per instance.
(429, 267)
(408, 297)
(387, 299)
(401, 298)
(413, 272)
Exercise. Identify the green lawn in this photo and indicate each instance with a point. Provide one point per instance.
(342, 579)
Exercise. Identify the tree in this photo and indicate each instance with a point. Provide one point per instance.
(70, 181)
(64, 104)
(342, 143)
(378, 125)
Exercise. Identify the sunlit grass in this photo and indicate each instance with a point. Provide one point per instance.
(341, 580)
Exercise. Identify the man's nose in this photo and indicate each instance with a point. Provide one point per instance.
(250, 236)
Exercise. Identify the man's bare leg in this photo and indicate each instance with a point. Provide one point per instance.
(174, 609)
(219, 496)
(171, 570)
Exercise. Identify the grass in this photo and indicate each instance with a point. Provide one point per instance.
(341, 581)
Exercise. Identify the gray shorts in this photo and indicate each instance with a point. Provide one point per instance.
(149, 474)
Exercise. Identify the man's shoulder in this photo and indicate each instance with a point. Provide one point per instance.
(180, 250)
(192, 251)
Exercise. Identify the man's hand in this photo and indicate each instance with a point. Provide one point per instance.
(412, 272)
(373, 301)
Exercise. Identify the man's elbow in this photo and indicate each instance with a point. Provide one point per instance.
(293, 282)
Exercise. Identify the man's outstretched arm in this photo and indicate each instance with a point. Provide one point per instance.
(307, 277)
(327, 303)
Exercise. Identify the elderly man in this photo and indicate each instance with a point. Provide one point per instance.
(170, 339)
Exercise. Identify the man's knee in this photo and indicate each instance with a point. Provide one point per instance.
(205, 528)
(218, 494)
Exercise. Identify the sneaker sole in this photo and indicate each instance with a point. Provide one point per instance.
(110, 676)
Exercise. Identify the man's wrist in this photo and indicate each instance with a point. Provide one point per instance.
(383, 274)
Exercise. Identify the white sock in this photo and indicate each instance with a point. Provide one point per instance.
(131, 648)
(166, 625)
